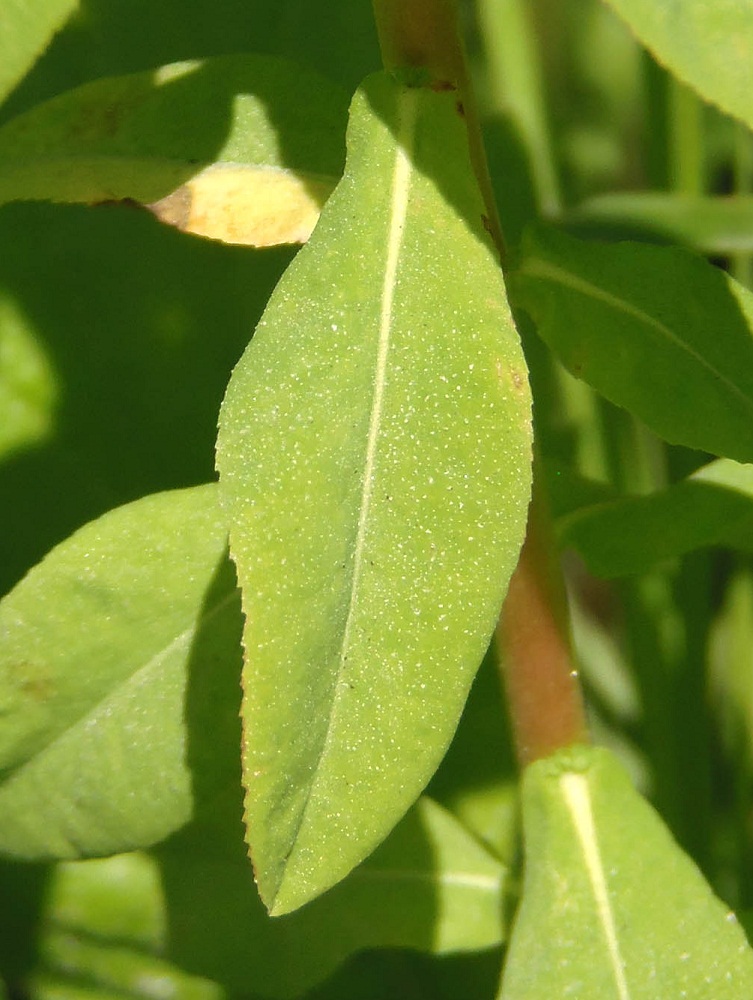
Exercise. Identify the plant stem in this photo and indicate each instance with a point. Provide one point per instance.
(533, 637)
(538, 666)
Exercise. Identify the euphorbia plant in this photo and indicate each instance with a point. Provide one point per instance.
(375, 533)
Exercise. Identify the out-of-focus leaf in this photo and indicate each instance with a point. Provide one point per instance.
(430, 886)
(611, 907)
(708, 45)
(712, 225)
(714, 506)
(374, 458)
(27, 28)
(28, 392)
(478, 778)
(104, 646)
(102, 935)
(656, 330)
(244, 149)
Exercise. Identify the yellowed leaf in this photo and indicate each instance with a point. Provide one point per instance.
(248, 205)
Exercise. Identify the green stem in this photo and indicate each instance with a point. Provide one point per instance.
(516, 89)
(686, 140)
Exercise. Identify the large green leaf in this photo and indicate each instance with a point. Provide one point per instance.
(241, 148)
(374, 458)
(27, 28)
(611, 907)
(708, 45)
(714, 506)
(656, 330)
(118, 653)
(430, 887)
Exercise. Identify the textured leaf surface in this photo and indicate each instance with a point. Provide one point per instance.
(104, 648)
(656, 330)
(430, 887)
(714, 506)
(611, 907)
(244, 149)
(708, 45)
(27, 27)
(374, 458)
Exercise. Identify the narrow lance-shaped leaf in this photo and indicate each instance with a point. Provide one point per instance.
(611, 907)
(374, 457)
(708, 45)
(626, 535)
(99, 645)
(245, 149)
(656, 330)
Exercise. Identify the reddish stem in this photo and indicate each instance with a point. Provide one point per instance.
(537, 662)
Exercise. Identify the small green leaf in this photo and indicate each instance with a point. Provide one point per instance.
(714, 506)
(430, 887)
(245, 149)
(656, 330)
(712, 225)
(374, 458)
(28, 389)
(708, 45)
(117, 653)
(26, 31)
(103, 924)
(611, 907)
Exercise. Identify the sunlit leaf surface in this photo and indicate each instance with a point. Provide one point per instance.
(707, 44)
(117, 652)
(611, 906)
(27, 27)
(374, 457)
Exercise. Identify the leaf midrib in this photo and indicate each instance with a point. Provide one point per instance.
(400, 189)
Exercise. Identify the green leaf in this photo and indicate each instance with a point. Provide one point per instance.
(656, 330)
(118, 653)
(27, 30)
(104, 926)
(714, 506)
(708, 45)
(27, 383)
(611, 907)
(374, 458)
(711, 225)
(240, 148)
(430, 886)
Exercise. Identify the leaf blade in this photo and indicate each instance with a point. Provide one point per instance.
(655, 330)
(706, 45)
(611, 906)
(244, 149)
(359, 421)
(98, 643)
(712, 507)
(27, 30)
